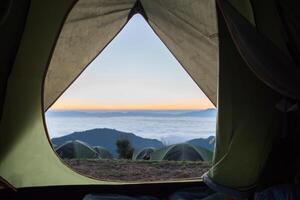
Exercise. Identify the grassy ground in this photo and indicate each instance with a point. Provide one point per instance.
(128, 170)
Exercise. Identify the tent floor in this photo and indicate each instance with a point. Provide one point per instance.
(160, 190)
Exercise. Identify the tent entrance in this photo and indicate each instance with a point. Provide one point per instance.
(136, 91)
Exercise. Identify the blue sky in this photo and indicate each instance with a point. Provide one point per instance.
(135, 71)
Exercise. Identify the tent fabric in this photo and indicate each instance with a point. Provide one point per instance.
(27, 158)
(269, 63)
(76, 150)
(245, 8)
(188, 28)
(89, 27)
(182, 151)
(290, 23)
(188, 193)
(12, 22)
(117, 197)
(103, 152)
(278, 192)
(143, 154)
(28, 87)
(248, 121)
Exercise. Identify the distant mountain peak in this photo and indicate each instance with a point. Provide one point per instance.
(210, 112)
(107, 138)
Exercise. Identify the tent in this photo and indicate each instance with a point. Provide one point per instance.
(103, 153)
(243, 54)
(143, 154)
(183, 151)
(76, 150)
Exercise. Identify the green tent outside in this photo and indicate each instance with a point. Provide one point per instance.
(143, 154)
(76, 150)
(182, 151)
(103, 153)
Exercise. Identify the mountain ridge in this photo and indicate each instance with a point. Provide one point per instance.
(211, 112)
(107, 138)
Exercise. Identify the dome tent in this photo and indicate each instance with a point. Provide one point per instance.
(183, 151)
(143, 154)
(103, 152)
(246, 62)
(76, 150)
(54, 146)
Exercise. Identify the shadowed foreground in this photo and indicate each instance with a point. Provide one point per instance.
(128, 170)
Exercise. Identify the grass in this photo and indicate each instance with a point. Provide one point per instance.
(129, 170)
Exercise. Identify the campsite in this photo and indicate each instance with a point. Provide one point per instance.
(239, 58)
(139, 171)
(146, 163)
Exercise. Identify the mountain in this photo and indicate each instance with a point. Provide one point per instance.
(200, 113)
(204, 142)
(107, 138)
(142, 113)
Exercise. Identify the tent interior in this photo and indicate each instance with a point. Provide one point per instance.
(243, 54)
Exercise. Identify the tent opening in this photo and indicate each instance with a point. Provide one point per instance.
(244, 55)
(134, 107)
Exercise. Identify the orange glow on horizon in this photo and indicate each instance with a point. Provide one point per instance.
(204, 104)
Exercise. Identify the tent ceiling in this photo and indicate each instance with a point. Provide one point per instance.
(90, 26)
(188, 28)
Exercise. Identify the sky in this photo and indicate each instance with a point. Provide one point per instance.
(135, 71)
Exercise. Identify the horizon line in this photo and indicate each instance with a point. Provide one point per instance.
(137, 109)
(94, 107)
